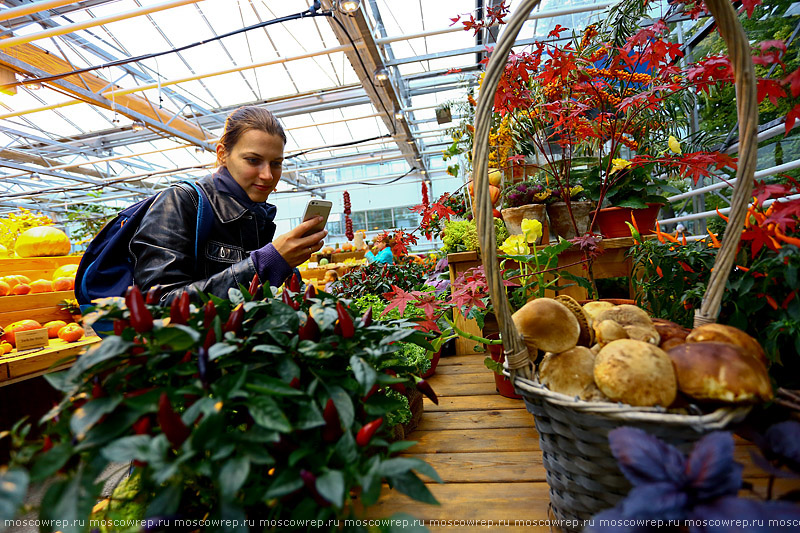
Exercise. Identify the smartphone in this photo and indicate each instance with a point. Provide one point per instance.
(314, 208)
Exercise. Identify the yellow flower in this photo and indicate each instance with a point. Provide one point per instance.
(674, 145)
(532, 229)
(619, 164)
(515, 245)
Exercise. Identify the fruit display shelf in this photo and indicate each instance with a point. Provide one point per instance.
(36, 267)
(58, 355)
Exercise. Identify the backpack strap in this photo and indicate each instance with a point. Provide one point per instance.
(205, 219)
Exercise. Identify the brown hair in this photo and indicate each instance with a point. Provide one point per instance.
(248, 118)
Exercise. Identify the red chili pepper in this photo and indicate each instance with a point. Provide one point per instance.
(294, 283)
(153, 295)
(286, 297)
(234, 322)
(259, 294)
(119, 326)
(345, 320)
(295, 383)
(209, 313)
(211, 339)
(367, 431)
(97, 390)
(425, 388)
(253, 284)
(371, 391)
(48, 444)
(187, 356)
(333, 428)
(141, 318)
(363, 276)
(175, 315)
(171, 423)
(397, 387)
(142, 426)
(311, 292)
(138, 392)
(309, 331)
(366, 318)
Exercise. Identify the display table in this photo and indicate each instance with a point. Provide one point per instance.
(16, 367)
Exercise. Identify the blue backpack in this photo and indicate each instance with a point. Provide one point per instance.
(106, 268)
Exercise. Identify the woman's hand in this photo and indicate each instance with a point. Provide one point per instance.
(295, 248)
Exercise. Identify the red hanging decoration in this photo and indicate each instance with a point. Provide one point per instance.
(425, 200)
(348, 222)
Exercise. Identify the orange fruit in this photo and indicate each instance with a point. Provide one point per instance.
(53, 326)
(5, 288)
(16, 279)
(5, 348)
(63, 284)
(70, 332)
(65, 271)
(21, 289)
(41, 285)
(11, 330)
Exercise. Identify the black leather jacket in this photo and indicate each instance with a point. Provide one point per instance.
(164, 244)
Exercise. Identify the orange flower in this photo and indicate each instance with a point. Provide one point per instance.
(659, 272)
(785, 238)
(788, 299)
(723, 217)
(714, 240)
(772, 303)
(471, 100)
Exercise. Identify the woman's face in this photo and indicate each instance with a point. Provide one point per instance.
(255, 162)
(380, 245)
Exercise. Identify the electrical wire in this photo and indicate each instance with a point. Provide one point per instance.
(313, 11)
(340, 145)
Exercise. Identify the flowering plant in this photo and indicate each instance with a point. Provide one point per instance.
(524, 193)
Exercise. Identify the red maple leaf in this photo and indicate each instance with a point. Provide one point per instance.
(791, 117)
(793, 81)
(764, 191)
(398, 298)
(750, 6)
(453, 71)
(770, 89)
(556, 32)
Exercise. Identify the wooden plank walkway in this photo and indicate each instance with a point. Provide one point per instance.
(486, 450)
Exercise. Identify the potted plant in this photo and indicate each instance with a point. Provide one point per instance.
(524, 201)
(569, 210)
(250, 407)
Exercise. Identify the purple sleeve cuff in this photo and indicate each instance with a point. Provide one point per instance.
(270, 265)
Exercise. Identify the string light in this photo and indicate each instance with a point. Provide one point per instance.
(349, 6)
(137, 125)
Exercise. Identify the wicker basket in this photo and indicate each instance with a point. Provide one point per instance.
(573, 434)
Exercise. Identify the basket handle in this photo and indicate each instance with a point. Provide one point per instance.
(747, 108)
(516, 352)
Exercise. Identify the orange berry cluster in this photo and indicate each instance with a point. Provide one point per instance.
(621, 75)
(589, 33)
(630, 143)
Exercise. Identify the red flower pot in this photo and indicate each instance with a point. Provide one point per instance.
(434, 362)
(503, 384)
(611, 220)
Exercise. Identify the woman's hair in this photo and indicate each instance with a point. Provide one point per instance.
(248, 118)
(332, 274)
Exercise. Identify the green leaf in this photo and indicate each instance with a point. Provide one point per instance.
(284, 483)
(309, 416)
(633, 203)
(110, 348)
(219, 349)
(344, 405)
(400, 445)
(282, 318)
(272, 386)
(58, 380)
(70, 500)
(405, 523)
(412, 486)
(13, 488)
(364, 373)
(324, 316)
(330, 486)
(88, 415)
(166, 502)
(235, 296)
(266, 413)
(346, 448)
(177, 337)
(268, 348)
(127, 449)
(51, 462)
(400, 465)
(233, 475)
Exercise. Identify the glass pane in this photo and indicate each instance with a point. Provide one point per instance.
(359, 220)
(403, 218)
(379, 219)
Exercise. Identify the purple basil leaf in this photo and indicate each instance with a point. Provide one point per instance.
(711, 470)
(761, 462)
(645, 459)
(657, 501)
(740, 515)
(783, 440)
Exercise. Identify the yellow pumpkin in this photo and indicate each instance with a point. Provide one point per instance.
(65, 271)
(43, 241)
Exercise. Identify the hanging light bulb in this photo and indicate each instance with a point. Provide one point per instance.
(35, 177)
(199, 149)
(381, 74)
(349, 6)
(137, 125)
(398, 115)
(33, 85)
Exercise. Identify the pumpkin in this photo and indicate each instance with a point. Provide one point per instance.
(4, 288)
(44, 241)
(11, 330)
(347, 247)
(53, 326)
(41, 285)
(63, 284)
(65, 271)
(326, 250)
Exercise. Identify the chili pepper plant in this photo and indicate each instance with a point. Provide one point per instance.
(376, 278)
(234, 408)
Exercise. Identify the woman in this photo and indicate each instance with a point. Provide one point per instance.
(382, 255)
(240, 244)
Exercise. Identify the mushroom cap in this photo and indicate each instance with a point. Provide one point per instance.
(643, 333)
(568, 372)
(722, 333)
(671, 334)
(720, 371)
(548, 325)
(606, 331)
(636, 373)
(626, 315)
(592, 309)
(586, 337)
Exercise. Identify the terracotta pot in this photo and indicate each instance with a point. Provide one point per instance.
(611, 220)
(513, 217)
(434, 363)
(561, 222)
(502, 383)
